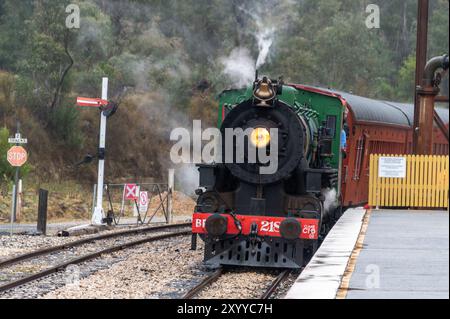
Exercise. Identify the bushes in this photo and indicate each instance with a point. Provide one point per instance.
(6, 170)
(64, 121)
(406, 79)
(7, 84)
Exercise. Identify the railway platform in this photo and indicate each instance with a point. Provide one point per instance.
(380, 254)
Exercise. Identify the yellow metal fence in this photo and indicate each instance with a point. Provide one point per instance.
(426, 183)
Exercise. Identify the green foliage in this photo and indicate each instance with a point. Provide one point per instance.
(6, 170)
(7, 89)
(167, 48)
(94, 43)
(24, 92)
(64, 122)
(439, 28)
(406, 79)
(13, 35)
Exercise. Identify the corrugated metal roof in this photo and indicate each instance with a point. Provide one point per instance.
(370, 110)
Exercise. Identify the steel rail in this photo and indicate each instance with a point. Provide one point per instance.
(49, 250)
(275, 284)
(203, 284)
(55, 269)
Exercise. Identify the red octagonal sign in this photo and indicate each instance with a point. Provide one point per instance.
(17, 156)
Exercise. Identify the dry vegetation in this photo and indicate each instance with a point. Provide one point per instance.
(76, 204)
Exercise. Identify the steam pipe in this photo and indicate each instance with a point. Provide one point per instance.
(431, 67)
(426, 114)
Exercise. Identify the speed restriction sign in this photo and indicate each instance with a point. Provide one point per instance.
(143, 202)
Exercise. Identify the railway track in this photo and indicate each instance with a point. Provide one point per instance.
(28, 278)
(77, 243)
(275, 284)
(191, 294)
(267, 294)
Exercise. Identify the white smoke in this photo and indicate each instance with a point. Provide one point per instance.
(265, 39)
(331, 200)
(187, 177)
(239, 66)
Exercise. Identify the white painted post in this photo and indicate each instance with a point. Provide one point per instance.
(94, 199)
(171, 188)
(19, 200)
(13, 205)
(97, 218)
(122, 207)
(136, 211)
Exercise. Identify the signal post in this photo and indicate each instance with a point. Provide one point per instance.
(17, 156)
(107, 109)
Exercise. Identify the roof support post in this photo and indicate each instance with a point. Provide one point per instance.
(421, 58)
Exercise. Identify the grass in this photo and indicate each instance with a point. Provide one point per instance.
(70, 201)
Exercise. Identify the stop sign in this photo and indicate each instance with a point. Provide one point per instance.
(17, 156)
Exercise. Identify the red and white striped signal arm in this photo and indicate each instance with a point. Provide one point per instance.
(89, 102)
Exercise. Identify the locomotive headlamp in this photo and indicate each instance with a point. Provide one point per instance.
(260, 137)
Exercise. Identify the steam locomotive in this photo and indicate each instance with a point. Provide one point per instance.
(315, 136)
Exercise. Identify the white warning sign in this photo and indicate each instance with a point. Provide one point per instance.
(143, 202)
(392, 167)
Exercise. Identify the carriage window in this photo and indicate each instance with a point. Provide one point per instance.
(331, 125)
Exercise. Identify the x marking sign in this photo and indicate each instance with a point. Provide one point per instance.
(131, 192)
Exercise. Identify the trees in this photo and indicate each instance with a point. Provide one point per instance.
(6, 170)
(7, 98)
(174, 50)
(47, 60)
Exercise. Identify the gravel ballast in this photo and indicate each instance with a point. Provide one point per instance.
(155, 270)
(166, 269)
